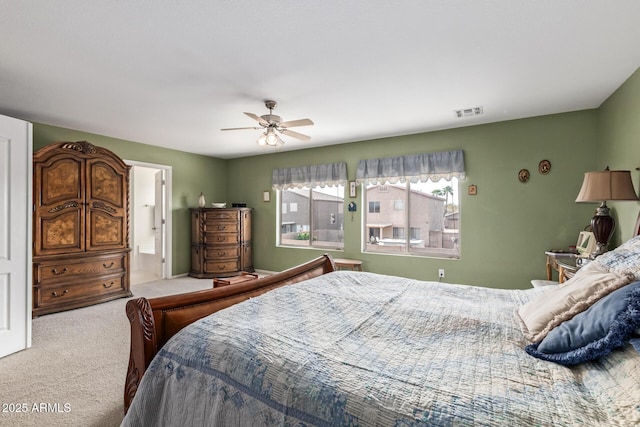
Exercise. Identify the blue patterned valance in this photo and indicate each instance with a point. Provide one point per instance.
(414, 168)
(328, 175)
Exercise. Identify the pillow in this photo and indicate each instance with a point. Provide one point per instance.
(552, 307)
(606, 325)
(625, 259)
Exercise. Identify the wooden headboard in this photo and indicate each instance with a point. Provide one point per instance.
(154, 321)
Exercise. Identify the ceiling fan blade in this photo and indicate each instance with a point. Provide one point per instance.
(295, 134)
(257, 118)
(252, 127)
(294, 123)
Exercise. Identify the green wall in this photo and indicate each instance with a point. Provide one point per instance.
(506, 227)
(191, 174)
(619, 148)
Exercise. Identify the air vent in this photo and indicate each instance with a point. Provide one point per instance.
(468, 112)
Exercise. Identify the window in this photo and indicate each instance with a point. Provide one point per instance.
(415, 193)
(311, 205)
(317, 220)
(432, 217)
(398, 232)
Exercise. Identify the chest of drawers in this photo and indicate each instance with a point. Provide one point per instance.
(220, 242)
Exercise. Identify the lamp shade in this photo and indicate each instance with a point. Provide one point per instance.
(606, 185)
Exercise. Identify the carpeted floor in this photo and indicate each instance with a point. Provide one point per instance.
(73, 375)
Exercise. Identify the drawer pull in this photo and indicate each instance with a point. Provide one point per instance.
(107, 286)
(108, 266)
(57, 273)
(222, 227)
(55, 294)
(220, 267)
(221, 239)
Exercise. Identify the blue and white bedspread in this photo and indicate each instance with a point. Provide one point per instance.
(361, 349)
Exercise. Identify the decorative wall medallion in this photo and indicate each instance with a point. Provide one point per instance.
(523, 175)
(544, 167)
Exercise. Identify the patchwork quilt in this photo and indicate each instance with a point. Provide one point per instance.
(361, 349)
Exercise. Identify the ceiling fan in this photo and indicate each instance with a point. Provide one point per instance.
(272, 123)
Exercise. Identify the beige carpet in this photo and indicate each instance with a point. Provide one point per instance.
(73, 375)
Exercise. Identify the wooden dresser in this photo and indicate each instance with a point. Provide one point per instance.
(80, 227)
(220, 242)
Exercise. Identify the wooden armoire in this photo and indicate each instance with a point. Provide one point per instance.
(80, 227)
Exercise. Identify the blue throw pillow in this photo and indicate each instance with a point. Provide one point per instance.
(607, 324)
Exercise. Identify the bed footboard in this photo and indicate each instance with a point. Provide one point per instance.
(154, 321)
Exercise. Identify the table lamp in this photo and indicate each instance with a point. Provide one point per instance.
(601, 186)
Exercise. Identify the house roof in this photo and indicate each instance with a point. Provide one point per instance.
(172, 74)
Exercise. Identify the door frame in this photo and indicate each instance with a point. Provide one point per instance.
(167, 211)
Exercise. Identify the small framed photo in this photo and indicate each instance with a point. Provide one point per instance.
(473, 190)
(353, 189)
(266, 196)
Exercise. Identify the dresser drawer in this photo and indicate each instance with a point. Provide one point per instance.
(214, 253)
(220, 227)
(221, 239)
(64, 293)
(220, 215)
(221, 266)
(62, 270)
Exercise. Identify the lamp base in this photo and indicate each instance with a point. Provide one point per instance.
(602, 226)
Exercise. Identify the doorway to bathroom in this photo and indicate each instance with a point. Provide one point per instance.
(150, 225)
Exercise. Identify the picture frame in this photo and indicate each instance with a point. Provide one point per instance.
(266, 196)
(353, 189)
(586, 244)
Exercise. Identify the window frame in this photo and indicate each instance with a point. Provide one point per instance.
(410, 228)
(312, 220)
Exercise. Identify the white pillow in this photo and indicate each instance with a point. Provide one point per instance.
(554, 306)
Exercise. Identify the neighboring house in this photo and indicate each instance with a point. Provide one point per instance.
(327, 220)
(386, 216)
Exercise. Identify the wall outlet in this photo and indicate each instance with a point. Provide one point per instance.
(441, 273)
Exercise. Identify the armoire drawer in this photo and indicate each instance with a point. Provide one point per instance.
(63, 293)
(63, 270)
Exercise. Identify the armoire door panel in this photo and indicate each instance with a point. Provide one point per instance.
(105, 231)
(61, 178)
(105, 184)
(60, 232)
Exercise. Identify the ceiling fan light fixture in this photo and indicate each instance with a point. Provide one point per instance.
(270, 138)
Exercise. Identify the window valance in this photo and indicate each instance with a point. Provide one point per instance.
(327, 175)
(414, 168)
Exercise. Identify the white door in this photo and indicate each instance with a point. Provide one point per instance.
(158, 225)
(15, 234)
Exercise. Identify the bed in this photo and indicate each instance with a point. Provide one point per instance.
(315, 346)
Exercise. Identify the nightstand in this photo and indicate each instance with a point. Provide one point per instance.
(567, 268)
(553, 258)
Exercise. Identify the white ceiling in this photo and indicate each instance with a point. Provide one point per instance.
(173, 73)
